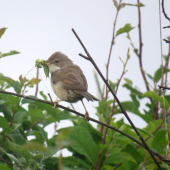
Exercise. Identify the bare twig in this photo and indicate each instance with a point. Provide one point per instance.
(166, 40)
(111, 46)
(163, 10)
(166, 27)
(163, 88)
(117, 166)
(31, 126)
(121, 107)
(89, 118)
(140, 49)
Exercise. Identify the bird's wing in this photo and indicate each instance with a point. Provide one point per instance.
(72, 78)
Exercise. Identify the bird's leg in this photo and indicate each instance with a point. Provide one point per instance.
(55, 103)
(86, 114)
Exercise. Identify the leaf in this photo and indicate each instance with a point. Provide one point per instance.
(43, 95)
(35, 113)
(134, 153)
(2, 101)
(153, 95)
(98, 83)
(137, 5)
(158, 74)
(126, 29)
(12, 157)
(133, 90)
(82, 142)
(119, 157)
(18, 117)
(10, 53)
(96, 135)
(112, 85)
(2, 30)
(115, 3)
(17, 148)
(3, 167)
(33, 81)
(128, 81)
(17, 87)
(4, 124)
(7, 79)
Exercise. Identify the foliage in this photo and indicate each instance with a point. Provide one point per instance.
(21, 118)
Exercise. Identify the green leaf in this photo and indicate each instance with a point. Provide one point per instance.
(35, 113)
(112, 85)
(2, 30)
(96, 135)
(119, 157)
(10, 53)
(43, 95)
(82, 142)
(158, 74)
(4, 124)
(115, 3)
(18, 117)
(12, 157)
(4, 167)
(2, 101)
(133, 90)
(128, 81)
(17, 148)
(98, 83)
(42, 132)
(137, 5)
(17, 87)
(107, 167)
(7, 79)
(126, 29)
(153, 95)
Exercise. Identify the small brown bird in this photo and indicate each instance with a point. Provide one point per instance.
(67, 80)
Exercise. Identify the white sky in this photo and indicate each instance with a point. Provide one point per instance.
(39, 28)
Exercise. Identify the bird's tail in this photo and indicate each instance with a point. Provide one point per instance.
(88, 96)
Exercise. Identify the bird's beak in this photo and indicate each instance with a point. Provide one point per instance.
(47, 62)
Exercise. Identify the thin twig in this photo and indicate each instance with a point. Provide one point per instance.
(163, 87)
(111, 46)
(120, 105)
(117, 166)
(140, 49)
(31, 126)
(166, 40)
(89, 118)
(163, 10)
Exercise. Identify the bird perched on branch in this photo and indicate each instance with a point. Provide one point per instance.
(67, 80)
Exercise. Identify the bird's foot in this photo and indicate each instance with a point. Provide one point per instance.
(55, 103)
(86, 116)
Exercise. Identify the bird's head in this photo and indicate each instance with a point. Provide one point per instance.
(57, 61)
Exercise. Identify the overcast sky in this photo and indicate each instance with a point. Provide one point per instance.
(39, 28)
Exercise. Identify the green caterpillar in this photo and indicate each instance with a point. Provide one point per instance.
(40, 63)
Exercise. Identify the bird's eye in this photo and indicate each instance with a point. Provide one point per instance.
(56, 61)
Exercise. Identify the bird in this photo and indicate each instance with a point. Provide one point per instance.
(68, 81)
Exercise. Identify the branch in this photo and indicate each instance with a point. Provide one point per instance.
(166, 40)
(117, 166)
(163, 88)
(140, 49)
(121, 107)
(89, 118)
(163, 10)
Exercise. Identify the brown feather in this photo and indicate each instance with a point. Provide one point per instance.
(71, 77)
